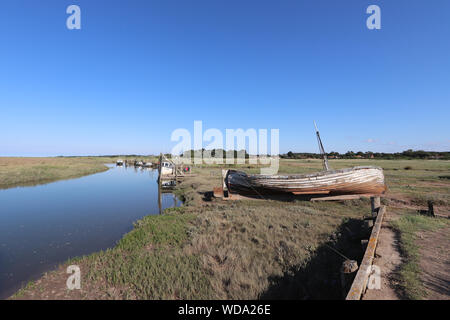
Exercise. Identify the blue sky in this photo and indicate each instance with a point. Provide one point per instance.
(137, 70)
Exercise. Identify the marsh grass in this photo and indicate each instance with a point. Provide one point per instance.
(17, 172)
(250, 248)
(148, 263)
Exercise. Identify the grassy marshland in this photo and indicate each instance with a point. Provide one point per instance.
(241, 251)
(17, 172)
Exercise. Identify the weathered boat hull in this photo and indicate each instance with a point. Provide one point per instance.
(357, 180)
(166, 171)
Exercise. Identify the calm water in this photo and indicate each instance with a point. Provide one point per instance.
(45, 225)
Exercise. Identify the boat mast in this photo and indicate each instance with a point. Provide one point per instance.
(322, 150)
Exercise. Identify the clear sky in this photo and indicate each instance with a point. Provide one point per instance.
(137, 70)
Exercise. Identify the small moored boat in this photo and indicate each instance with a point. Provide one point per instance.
(138, 164)
(166, 168)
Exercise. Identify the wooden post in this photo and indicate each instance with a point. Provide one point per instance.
(159, 185)
(348, 269)
(360, 282)
(364, 244)
(224, 185)
(375, 203)
(368, 224)
(430, 208)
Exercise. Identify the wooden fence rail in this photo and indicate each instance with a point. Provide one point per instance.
(362, 276)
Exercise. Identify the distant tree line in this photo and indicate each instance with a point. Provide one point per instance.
(408, 154)
(215, 153)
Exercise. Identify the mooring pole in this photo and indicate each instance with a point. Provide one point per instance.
(159, 184)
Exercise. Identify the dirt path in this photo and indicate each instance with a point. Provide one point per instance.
(435, 263)
(388, 258)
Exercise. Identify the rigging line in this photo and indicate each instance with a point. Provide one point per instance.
(255, 190)
(258, 193)
(337, 252)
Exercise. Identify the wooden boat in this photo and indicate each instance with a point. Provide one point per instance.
(138, 164)
(349, 181)
(147, 164)
(357, 180)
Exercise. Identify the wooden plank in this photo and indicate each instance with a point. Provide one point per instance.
(343, 197)
(233, 196)
(311, 192)
(218, 192)
(360, 282)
